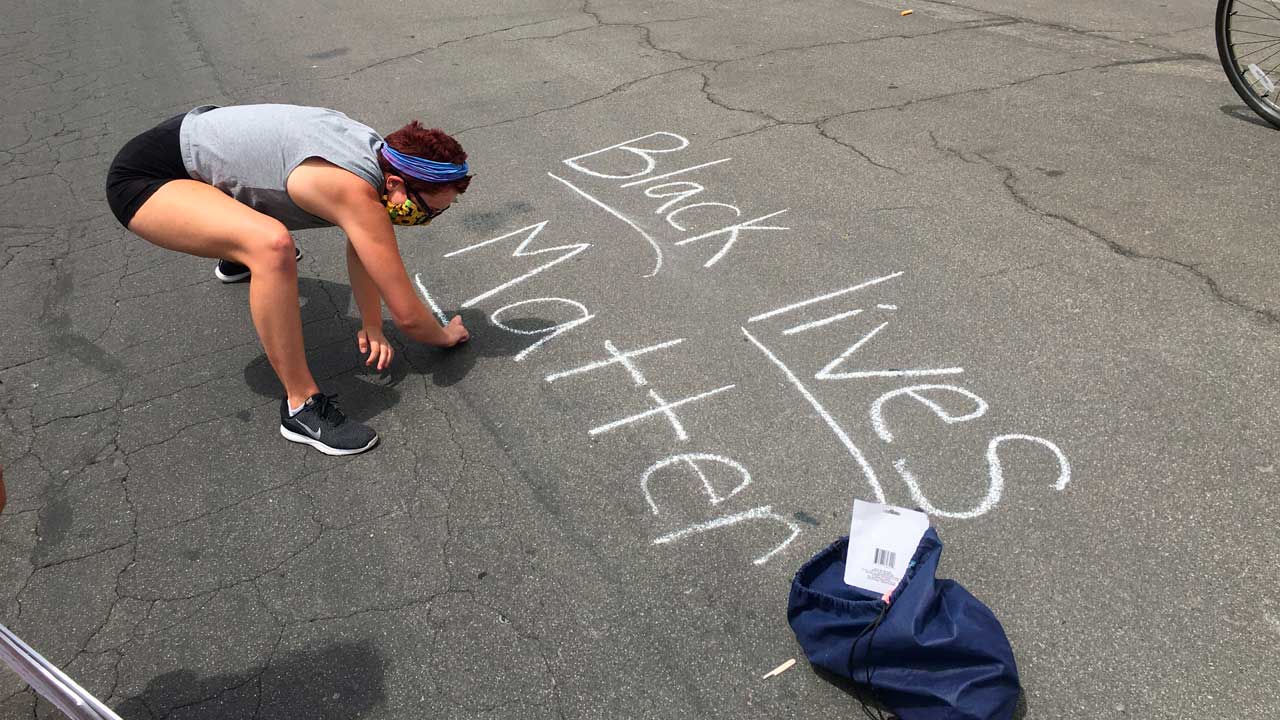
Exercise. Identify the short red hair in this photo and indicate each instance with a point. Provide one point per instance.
(429, 143)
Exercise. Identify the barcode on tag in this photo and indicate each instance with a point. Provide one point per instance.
(884, 557)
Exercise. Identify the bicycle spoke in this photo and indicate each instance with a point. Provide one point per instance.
(1250, 32)
(1251, 52)
(1252, 81)
(1264, 12)
(1240, 59)
(1263, 60)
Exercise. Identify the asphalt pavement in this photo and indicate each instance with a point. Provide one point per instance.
(727, 267)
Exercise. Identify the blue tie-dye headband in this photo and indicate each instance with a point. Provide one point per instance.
(422, 168)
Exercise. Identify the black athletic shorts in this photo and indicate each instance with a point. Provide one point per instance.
(142, 166)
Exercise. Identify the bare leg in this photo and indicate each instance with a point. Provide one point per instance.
(198, 219)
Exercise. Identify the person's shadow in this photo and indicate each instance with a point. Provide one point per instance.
(343, 680)
(330, 324)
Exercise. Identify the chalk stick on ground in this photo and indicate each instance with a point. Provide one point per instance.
(780, 669)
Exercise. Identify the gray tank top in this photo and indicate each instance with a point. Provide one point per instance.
(248, 152)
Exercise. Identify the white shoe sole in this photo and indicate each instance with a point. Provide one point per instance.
(217, 271)
(292, 436)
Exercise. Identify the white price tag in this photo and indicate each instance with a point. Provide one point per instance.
(882, 540)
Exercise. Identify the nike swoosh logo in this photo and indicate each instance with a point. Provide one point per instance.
(315, 434)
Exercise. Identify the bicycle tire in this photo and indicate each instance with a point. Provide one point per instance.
(1264, 104)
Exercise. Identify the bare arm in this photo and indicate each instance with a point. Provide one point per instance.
(368, 300)
(372, 343)
(349, 202)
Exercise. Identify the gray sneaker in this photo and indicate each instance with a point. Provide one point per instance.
(322, 425)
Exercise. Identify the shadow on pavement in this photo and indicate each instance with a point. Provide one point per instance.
(859, 694)
(342, 680)
(364, 393)
(1243, 112)
(448, 366)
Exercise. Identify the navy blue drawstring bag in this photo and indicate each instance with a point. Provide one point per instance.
(934, 653)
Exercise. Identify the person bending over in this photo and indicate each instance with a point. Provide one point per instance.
(232, 182)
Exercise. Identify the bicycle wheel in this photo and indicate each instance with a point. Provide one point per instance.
(1248, 35)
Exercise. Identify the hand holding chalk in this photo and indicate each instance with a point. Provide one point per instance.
(455, 332)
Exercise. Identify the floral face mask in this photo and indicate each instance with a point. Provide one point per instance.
(408, 212)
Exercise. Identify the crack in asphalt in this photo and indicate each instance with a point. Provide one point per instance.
(1070, 29)
(1268, 318)
(819, 123)
(646, 40)
(345, 75)
(623, 87)
(311, 542)
(56, 317)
